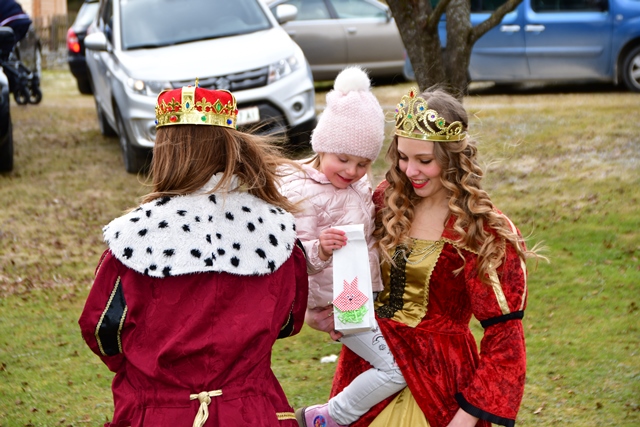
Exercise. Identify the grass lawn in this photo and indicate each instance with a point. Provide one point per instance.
(564, 164)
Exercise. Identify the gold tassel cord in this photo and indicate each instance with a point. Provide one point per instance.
(203, 412)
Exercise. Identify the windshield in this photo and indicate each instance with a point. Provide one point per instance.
(157, 23)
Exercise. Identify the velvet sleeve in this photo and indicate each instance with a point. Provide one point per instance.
(496, 390)
(294, 322)
(378, 195)
(104, 313)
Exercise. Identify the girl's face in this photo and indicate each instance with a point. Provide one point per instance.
(343, 170)
(416, 160)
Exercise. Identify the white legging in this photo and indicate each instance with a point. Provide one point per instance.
(371, 386)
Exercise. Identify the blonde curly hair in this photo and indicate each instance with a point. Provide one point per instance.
(479, 225)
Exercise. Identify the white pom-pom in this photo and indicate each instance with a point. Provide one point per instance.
(352, 79)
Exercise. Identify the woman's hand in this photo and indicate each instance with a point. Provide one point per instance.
(330, 239)
(321, 319)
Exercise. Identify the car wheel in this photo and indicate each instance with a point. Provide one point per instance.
(35, 95)
(135, 159)
(84, 87)
(103, 123)
(6, 152)
(21, 95)
(631, 70)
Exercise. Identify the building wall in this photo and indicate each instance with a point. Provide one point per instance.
(44, 9)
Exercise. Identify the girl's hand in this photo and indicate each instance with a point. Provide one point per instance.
(331, 239)
(321, 319)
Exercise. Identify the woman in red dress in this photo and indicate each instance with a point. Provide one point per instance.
(199, 281)
(448, 254)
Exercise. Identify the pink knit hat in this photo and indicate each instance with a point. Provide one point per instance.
(353, 122)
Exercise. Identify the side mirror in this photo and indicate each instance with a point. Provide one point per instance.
(388, 12)
(285, 13)
(96, 41)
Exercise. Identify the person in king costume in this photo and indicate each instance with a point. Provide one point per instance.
(447, 254)
(199, 281)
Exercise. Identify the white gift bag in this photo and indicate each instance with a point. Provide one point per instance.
(352, 292)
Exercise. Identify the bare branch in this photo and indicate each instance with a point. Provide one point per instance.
(436, 15)
(493, 20)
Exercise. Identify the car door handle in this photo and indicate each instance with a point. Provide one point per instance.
(534, 28)
(510, 28)
(352, 30)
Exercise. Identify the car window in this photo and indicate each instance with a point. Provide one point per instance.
(569, 5)
(156, 23)
(106, 19)
(357, 9)
(86, 14)
(480, 6)
(309, 10)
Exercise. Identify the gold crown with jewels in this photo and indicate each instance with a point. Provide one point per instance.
(415, 120)
(193, 105)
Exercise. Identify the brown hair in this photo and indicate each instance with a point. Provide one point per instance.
(461, 176)
(185, 157)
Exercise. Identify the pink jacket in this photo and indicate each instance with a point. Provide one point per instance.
(325, 206)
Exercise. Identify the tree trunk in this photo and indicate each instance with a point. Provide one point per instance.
(419, 32)
(418, 24)
(457, 53)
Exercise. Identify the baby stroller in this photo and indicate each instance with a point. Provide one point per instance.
(23, 83)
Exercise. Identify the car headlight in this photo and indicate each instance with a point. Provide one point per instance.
(282, 68)
(149, 88)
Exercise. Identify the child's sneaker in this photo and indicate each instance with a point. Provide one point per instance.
(315, 416)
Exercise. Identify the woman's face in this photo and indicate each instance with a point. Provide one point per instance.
(343, 170)
(417, 161)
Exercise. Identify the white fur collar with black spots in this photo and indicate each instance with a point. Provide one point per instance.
(231, 231)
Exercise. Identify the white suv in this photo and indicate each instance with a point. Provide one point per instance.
(136, 48)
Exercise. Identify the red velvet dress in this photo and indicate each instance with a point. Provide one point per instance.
(170, 336)
(437, 353)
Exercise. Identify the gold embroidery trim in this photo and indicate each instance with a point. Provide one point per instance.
(523, 265)
(420, 263)
(99, 266)
(497, 290)
(285, 416)
(119, 336)
(96, 333)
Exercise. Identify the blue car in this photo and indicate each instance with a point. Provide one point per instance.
(557, 41)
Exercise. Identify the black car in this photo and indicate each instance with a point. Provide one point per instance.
(7, 39)
(75, 45)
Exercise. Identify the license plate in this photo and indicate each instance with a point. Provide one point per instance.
(248, 115)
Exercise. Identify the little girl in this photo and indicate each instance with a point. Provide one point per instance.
(333, 189)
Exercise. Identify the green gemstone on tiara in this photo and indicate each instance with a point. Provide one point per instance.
(426, 124)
